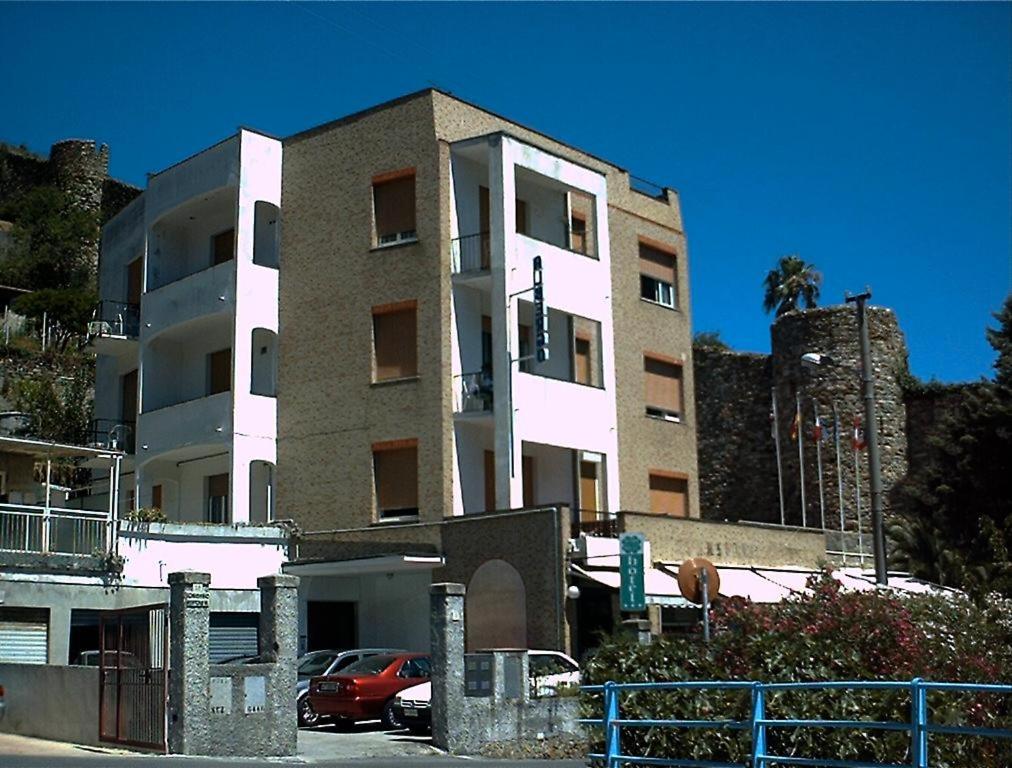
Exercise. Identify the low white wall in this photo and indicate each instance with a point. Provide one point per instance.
(51, 702)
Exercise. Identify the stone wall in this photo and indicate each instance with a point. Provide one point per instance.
(51, 702)
(737, 454)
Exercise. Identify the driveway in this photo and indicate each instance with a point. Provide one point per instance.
(361, 740)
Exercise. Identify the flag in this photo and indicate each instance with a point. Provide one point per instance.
(794, 425)
(858, 440)
(817, 429)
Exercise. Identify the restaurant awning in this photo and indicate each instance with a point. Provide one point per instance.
(660, 587)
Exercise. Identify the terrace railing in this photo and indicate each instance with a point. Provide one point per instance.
(472, 393)
(471, 253)
(115, 318)
(53, 530)
(919, 726)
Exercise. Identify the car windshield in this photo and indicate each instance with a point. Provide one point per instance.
(370, 666)
(313, 664)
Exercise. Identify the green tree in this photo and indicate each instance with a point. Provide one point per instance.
(53, 242)
(709, 340)
(66, 312)
(955, 521)
(791, 282)
(60, 404)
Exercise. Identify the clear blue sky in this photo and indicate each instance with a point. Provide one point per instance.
(874, 140)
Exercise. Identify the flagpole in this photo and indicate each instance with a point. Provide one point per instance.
(776, 440)
(839, 477)
(818, 463)
(801, 457)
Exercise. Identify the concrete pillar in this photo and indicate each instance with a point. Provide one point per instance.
(640, 629)
(447, 651)
(59, 635)
(189, 696)
(279, 640)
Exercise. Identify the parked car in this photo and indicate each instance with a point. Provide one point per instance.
(365, 690)
(124, 659)
(548, 672)
(326, 662)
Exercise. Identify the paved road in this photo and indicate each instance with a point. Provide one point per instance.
(366, 747)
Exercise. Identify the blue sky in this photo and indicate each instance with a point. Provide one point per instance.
(872, 139)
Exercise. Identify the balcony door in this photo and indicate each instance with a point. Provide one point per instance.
(135, 280)
(128, 397)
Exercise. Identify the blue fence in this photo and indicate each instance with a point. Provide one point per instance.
(759, 725)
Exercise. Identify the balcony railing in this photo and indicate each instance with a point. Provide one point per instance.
(472, 392)
(112, 434)
(471, 253)
(595, 523)
(115, 318)
(53, 530)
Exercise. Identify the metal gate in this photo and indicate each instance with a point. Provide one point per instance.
(133, 676)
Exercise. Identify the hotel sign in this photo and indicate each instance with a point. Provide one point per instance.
(631, 590)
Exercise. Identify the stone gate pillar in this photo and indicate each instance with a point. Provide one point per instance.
(279, 641)
(447, 652)
(189, 622)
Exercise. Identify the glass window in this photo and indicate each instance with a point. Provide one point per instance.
(371, 665)
(394, 206)
(313, 664)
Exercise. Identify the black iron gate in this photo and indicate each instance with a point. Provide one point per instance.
(133, 676)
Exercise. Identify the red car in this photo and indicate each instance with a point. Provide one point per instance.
(365, 690)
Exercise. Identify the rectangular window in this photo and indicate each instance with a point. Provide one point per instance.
(489, 481)
(485, 220)
(395, 464)
(128, 397)
(217, 499)
(658, 276)
(663, 378)
(583, 366)
(395, 341)
(521, 217)
(135, 280)
(156, 496)
(578, 233)
(669, 494)
(223, 247)
(394, 207)
(219, 371)
(527, 464)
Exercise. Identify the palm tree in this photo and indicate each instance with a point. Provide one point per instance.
(791, 282)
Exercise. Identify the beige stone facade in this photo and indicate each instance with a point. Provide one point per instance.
(331, 413)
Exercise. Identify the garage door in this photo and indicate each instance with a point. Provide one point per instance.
(24, 635)
(231, 635)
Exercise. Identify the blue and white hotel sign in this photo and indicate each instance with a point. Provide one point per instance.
(631, 591)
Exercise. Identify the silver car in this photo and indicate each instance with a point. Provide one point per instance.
(317, 663)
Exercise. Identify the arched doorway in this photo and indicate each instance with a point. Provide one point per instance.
(495, 607)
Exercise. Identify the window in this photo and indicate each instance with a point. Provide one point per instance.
(156, 496)
(669, 493)
(658, 280)
(219, 371)
(485, 223)
(223, 247)
(578, 233)
(394, 207)
(521, 217)
(582, 361)
(395, 343)
(395, 464)
(217, 498)
(663, 387)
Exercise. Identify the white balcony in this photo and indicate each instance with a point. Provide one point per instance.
(207, 292)
(30, 529)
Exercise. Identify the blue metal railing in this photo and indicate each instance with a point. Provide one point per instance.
(758, 725)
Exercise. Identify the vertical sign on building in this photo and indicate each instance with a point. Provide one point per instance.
(631, 592)
(540, 314)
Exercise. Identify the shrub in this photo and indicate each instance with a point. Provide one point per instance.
(827, 635)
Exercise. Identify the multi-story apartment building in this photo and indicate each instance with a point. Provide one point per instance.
(186, 376)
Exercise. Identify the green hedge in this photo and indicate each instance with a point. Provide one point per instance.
(828, 635)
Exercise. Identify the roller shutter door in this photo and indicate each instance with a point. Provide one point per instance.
(24, 636)
(232, 634)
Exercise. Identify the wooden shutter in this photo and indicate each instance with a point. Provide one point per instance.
(489, 481)
(396, 470)
(657, 264)
(528, 471)
(128, 398)
(484, 214)
(156, 496)
(223, 247)
(395, 335)
(588, 487)
(663, 384)
(219, 371)
(582, 367)
(135, 280)
(394, 202)
(669, 494)
(578, 233)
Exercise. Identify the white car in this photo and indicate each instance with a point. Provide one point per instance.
(547, 671)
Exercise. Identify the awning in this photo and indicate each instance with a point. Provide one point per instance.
(361, 565)
(744, 582)
(660, 588)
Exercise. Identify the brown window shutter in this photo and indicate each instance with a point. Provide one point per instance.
(489, 481)
(128, 385)
(669, 495)
(156, 496)
(217, 485)
(223, 247)
(396, 480)
(588, 487)
(135, 280)
(578, 233)
(528, 472)
(583, 367)
(663, 384)
(395, 336)
(219, 371)
(484, 212)
(395, 206)
(657, 264)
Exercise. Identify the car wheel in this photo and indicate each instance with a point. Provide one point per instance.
(307, 715)
(389, 716)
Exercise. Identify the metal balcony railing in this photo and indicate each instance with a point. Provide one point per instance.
(115, 318)
(112, 434)
(595, 523)
(32, 529)
(471, 253)
(472, 392)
